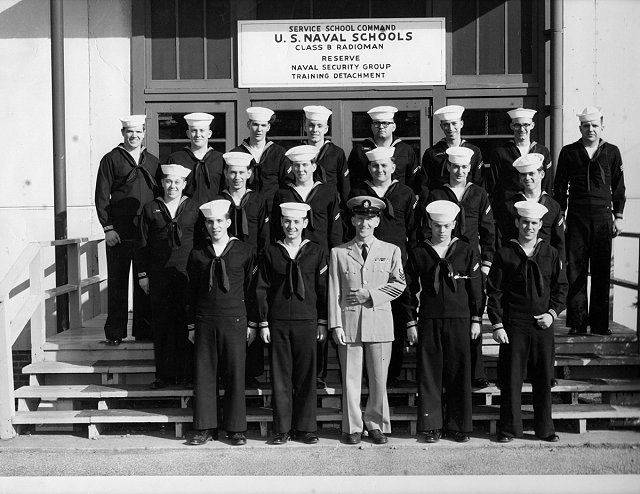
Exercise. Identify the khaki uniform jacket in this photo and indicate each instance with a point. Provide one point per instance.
(381, 274)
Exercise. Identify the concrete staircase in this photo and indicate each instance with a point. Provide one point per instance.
(81, 382)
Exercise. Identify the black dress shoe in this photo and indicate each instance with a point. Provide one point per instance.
(603, 332)
(308, 437)
(159, 384)
(200, 437)
(353, 438)
(457, 436)
(431, 437)
(504, 439)
(114, 342)
(281, 438)
(480, 383)
(554, 382)
(575, 331)
(378, 437)
(321, 383)
(237, 438)
(553, 438)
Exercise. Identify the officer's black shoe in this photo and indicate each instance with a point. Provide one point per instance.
(237, 438)
(481, 383)
(308, 437)
(281, 438)
(504, 439)
(601, 332)
(553, 438)
(378, 437)
(114, 342)
(321, 383)
(431, 437)
(200, 437)
(457, 436)
(353, 438)
(554, 382)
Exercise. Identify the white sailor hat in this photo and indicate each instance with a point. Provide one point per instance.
(194, 119)
(177, 170)
(235, 158)
(294, 209)
(590, 113)
(442, 212)
(459, 155)
(366, 205)
(215, 209)
(382, 113)
(380, 153)
(529, 163)
(521, 113)
(132, 121)
(259, 114)
(302, 154)
(530, 209)
(317, 113)
(448, 113)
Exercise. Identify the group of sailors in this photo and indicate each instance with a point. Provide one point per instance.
(293, 248)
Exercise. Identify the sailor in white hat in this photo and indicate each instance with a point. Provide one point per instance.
(382, 127)
(434, 171)
(205, 163)
(125, 183)
(331, 160)
(475, 223)
(526, 291)
(502, 180)
(293, 319)
(271, 168)
(397, 226)
(166, 239)
(446, 272)
(590, 180)
(325, 223)
(222, 290)
(361, 321)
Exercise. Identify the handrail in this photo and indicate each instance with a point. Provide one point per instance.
(33, 310)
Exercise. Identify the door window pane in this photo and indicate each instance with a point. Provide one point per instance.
(163, 40)
(279, 9)
(191, 33)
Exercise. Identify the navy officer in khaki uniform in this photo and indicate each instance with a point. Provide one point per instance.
(365, 275)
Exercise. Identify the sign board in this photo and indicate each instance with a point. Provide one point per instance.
(341, 52)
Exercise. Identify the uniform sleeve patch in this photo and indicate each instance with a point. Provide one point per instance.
(487, 210)
(346, 172)
(560, 221)
(337, 217)
(255, 270)
(322, 271)
(266, 220)
(487, 165)
(475, 268)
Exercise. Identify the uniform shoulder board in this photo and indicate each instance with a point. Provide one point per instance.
(322, 271)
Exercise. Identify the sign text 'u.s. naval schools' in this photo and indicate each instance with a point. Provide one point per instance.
(353, 52)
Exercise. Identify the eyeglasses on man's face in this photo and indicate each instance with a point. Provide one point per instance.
(384, 125)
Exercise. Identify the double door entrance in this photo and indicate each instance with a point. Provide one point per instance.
(349, 123)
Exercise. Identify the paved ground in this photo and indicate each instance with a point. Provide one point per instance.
(598, 453)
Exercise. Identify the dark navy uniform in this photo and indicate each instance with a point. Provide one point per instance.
(433, 172)
(398, 227)
(332, 169)
(595, 191)
(292, 297)
(123, 187)
(272, 172)
(407, 163)
(222, 297)
(325, 225)
(502, 180)
(450, 299)
(164, 249)
(518, 288)
(552, 229)
(477, 226)
(250, 223)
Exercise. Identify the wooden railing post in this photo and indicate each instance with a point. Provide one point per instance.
(75, 278)
(7, 404)
(38, 320)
